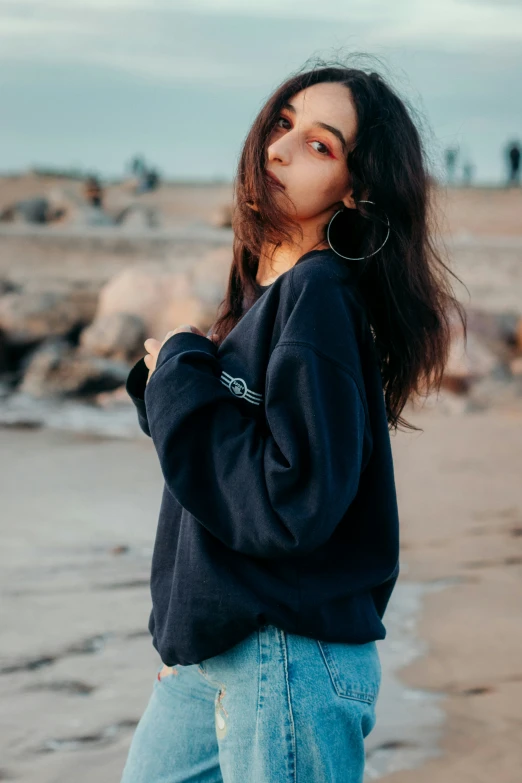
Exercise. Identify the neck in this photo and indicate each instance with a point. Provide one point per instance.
(274, 261)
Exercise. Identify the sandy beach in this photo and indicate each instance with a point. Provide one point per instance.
(81, 490)
(77, 663)
(461, 500)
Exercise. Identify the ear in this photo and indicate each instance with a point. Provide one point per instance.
(348, 201)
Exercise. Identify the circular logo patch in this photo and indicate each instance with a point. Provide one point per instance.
(238, 387)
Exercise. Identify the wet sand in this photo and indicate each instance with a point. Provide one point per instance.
(78, 527)
(77, 662)
(461, 494)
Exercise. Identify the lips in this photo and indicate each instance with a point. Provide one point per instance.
(274, 179)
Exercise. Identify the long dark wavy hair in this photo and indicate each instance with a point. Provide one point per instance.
(409, 302)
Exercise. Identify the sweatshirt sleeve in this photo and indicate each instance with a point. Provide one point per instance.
(135, 388)
(266, 491)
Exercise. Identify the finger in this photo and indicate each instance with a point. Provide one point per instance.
(148, 361)
(182, 328)
(165, 671)
(185, 328)
(167, 337)
(152, 345)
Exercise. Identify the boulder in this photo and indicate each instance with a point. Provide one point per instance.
(114, 335)
(162, 299)
(222, 216)
(518, 335)
(468, 362)
(33, 314)
(495, 329)
(55, 369)
(487, 348)
(516, 366)
(114, 398)
(6, 287)
(500, 390)
(4, 364)
(209, 276)
(138, 216)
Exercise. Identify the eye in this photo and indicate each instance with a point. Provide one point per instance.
(325, 151)
(282, 118)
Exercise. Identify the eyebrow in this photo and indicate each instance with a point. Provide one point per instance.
(331, 128)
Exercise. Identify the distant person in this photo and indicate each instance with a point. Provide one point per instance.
(468, 170)
(93, 192)
(138, 166)
(513, 154)
(277, 546)
(148, 180)
(152, 179)
(451, 156)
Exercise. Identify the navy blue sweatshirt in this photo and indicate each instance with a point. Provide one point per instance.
(279, 503)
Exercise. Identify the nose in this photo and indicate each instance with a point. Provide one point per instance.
(279, 150)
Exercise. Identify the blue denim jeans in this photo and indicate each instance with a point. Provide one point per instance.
(275, 708)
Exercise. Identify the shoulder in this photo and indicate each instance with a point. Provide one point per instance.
(324, 277)
(321, 265)
(327, 311)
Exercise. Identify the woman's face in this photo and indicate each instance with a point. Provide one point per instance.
(309, 159)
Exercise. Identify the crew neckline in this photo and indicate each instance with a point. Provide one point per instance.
(301, 258)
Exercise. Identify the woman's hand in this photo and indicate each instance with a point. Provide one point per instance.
(166, 671)
(154, 346)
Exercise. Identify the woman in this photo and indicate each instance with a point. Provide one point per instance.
(277, 545)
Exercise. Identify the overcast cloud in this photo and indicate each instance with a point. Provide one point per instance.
(91, 83)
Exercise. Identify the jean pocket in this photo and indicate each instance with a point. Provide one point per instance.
(354, 669)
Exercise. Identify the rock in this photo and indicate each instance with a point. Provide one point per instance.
(493, 328)
(456, 384)
(116, 397)
(162, 299)
(91, 216)
(468, 362)
(57, 369)
(138, 216)
(516, 366)
(114, 335)
(210, 275)
(487, 349)
(518, 334)
(3, 353)
(6, 287)
(497, 391)
(32, 315)
(27, 211)
(445, 401)
(222, 216)
(5, 390)
(120, 549)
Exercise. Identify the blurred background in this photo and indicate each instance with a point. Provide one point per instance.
(121, 126)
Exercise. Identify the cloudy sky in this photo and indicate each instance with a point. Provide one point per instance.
(89, 84)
